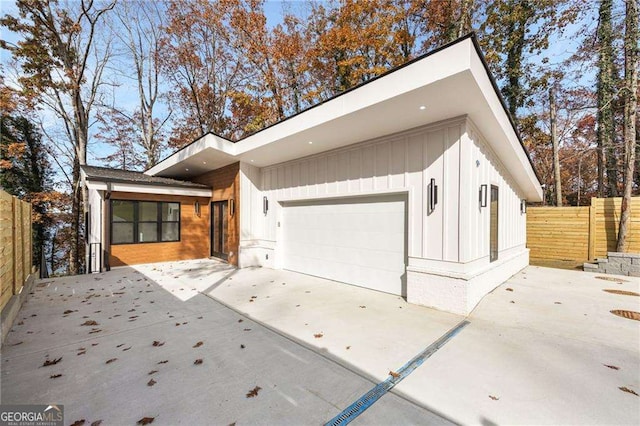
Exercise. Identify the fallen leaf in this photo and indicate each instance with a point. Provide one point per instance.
(164, 362)
(49, 362)
(81, 353)
(199, 317)
(109, 361)
(198, 361)
(318, 335)
(394, 374)
(242, 346)
(197, 345)
(362, 306)
(494, 397)
(78, 422)
(613, 367)
(508, 289)
(626, 389)
(157, 343)
(95, 330)
(55, 376)
(247, 329)
(67, 312)
(177, 324)
(94, 344)
(120, 345)
(254, 392)
(348, 347)
(557, 303)
(240, 320)
(152, 372)
(151, 382)
(250, 300)
(617, 280)
(90, 322)
(126, 349)
(512, 302)
(146, 420)
(16, 344)
(96, 423)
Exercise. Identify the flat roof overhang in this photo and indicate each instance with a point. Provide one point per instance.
(451, 82)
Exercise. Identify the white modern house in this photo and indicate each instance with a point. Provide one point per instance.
(413, 184)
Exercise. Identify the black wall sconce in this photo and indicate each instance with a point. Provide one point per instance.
(483, 195)
(232, 206)
(196, 208)
(265, 205)
(433, 195)
(523, 206)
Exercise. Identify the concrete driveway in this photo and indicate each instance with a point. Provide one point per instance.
(541, 349)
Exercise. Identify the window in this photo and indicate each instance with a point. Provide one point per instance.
(144, 222)
(493, 231)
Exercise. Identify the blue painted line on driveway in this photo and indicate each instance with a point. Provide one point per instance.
(369, 398)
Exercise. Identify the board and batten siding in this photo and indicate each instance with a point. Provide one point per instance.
(480, 165)
(452, 152)
(397, 163)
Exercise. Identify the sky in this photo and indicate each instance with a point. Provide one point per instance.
(125, 93)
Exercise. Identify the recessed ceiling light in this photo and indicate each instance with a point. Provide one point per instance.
(186, 168)
(204, 162)
(422, 107)
(252, 161)
(310, 142)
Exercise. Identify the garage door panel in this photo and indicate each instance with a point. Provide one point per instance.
(357, 241)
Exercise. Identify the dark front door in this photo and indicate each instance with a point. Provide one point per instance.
(219, 229)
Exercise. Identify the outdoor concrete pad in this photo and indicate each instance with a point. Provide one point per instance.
(543, 356)
(134, 308)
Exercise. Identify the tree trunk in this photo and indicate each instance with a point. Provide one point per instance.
(557, 184)
(630, 116)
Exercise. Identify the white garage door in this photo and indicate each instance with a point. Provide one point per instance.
(358, 241)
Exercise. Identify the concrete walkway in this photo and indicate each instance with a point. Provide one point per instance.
(541, 349)
(136, 357)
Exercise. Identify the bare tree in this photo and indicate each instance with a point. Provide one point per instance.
(557, 181)
(137, 26)
(63, 67)
(630, 116)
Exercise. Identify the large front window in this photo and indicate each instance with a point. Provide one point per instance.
(144, 221)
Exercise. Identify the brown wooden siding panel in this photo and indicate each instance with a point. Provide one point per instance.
(225, 185)
(194, 234)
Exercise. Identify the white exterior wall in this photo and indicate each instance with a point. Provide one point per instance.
(448, 249)
(95, 229)
(398, 163)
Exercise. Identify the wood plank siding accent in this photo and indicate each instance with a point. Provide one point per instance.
(194, 233)
(225, 185)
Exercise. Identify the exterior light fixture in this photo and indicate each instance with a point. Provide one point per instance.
(232, 206)
(433, 195)
(483, 195)
(523, 206)
(265, 205)
(196, 208)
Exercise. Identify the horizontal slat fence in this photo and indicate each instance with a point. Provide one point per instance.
(580, 233)
(15, 246)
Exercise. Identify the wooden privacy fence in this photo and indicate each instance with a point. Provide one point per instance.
(15, 245)
(580, 233)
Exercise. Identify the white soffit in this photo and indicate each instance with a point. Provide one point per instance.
(449, 83)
